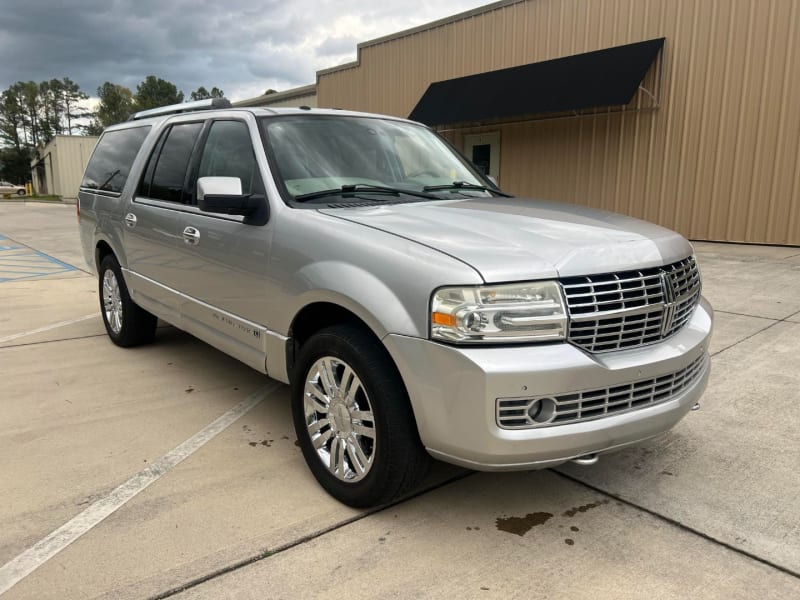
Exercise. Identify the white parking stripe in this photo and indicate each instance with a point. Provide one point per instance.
(15, 336)
(32, 558)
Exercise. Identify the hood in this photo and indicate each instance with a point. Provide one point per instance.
(512, 239)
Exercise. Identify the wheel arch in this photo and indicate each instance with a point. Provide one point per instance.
(102, 249)
(316, 316)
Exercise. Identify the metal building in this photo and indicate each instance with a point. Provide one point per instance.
(300, 96)
(58, 166)
(707, 142)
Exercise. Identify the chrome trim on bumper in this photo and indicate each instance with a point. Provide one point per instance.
(591, 404)
(453, 391)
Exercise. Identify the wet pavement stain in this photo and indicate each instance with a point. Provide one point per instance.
(582, 509)
(265, 443)
(522, 525)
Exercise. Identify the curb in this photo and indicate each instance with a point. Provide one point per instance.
(26, 200)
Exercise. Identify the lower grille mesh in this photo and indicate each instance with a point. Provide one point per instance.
(575, 407)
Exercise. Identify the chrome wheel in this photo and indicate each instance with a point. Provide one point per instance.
(339, 420)
(112, 301)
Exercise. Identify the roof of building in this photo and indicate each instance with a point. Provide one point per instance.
(266, 99)
(419, 29)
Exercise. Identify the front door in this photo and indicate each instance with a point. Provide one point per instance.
(222, 259)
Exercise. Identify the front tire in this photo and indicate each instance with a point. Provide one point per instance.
(353, 418)
(126, 323)
(20, 192)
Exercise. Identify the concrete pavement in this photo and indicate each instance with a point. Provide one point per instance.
(706, 511)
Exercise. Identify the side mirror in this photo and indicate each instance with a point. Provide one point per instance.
(224, 195)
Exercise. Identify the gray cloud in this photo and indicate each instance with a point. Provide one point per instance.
(240, 46)
(337, 46)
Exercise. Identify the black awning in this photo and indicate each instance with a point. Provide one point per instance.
(607, 77)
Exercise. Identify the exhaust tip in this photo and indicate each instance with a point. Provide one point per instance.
(586, 460)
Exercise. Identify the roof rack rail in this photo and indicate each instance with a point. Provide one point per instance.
(174, 109)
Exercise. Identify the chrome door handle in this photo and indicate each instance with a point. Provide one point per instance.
(191, 236)
(130, 220)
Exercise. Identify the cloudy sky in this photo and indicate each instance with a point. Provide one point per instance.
(241, 46)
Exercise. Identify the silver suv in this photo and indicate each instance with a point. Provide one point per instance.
(415, 309)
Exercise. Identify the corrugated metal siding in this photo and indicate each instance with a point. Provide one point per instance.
(70, 156)
(310, 100)
(719, 160)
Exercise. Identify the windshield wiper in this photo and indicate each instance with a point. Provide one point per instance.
(107, 181)
(363, 188)
(463, 185)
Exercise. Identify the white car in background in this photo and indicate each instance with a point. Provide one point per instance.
(10, 188)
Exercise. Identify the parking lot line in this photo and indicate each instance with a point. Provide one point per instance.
(15, 336)
(31, 559)
(18, 261)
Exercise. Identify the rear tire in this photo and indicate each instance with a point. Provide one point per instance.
(20, 192)
(353, 418)
(126, 323)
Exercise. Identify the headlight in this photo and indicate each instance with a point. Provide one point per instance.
(520, 312)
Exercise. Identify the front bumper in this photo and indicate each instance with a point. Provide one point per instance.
(454, 390)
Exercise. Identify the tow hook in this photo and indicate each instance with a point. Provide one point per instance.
(586, 460)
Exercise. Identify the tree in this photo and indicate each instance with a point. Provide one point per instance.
(72, 98)
(32, 113)
(270, 91)
(12, 117)
(116, 105)
(15, 164)
(31, 103)
(202, 93)
(154, 92)
(51, 100)
(93, 128)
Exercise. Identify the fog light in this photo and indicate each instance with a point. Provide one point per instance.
(542, 410)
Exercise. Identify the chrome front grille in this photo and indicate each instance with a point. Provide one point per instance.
(614, 311)
(587, 405)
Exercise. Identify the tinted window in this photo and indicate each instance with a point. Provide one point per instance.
(112, 159)
(229, 153)
(165, 180)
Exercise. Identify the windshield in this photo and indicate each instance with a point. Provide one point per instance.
(312, 154)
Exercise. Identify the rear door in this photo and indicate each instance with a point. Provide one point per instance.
(151, 230)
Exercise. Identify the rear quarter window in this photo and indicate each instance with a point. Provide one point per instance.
(113, 158)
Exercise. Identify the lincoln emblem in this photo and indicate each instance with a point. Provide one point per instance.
(668, 292)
